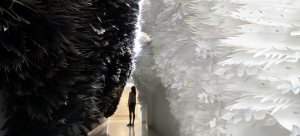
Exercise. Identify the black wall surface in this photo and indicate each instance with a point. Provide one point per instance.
(63, 62)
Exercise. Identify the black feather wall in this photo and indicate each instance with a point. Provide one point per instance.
(118, 17)
(63, 62)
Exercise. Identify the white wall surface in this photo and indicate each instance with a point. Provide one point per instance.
(163, 121)
(223, 63)
(122, 107)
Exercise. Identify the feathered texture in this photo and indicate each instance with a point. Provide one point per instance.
(230, 67)
(63, 63)
(121, 18)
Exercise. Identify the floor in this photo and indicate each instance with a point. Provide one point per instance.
(117, 127)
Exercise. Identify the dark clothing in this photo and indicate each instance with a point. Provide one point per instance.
(131, 98)
(132, 107)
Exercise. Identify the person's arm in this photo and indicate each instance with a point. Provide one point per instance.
(129, 99)
(134, 98)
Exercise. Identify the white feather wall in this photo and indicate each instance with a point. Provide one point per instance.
(226, 64)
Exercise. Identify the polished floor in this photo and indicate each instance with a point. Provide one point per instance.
(117, 127)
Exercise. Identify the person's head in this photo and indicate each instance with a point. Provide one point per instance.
(133, 90)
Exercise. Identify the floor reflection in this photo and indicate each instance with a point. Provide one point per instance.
(131, 131)
(117, 127)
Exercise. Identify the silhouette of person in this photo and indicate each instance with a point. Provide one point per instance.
(131, 105)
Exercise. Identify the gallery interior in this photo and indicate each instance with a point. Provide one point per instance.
(200, 67)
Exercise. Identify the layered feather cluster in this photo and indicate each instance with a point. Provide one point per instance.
(63, 63)
(231, 67)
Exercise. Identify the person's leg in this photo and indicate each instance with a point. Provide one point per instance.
(133, 118)
(129, 116)
(133, 112)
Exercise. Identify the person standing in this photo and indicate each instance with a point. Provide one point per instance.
(131, 105)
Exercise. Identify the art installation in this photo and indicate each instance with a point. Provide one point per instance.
(63, 63)
(231, 67)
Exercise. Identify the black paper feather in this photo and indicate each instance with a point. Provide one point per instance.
(63, 63)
